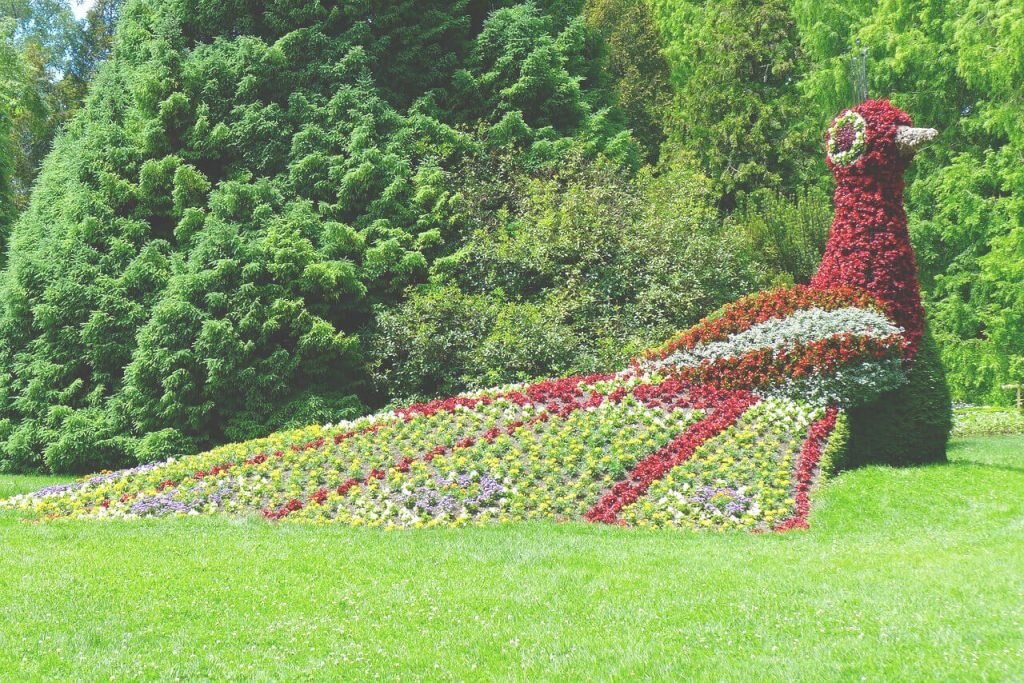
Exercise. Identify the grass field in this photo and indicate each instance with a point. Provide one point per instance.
(913, 574)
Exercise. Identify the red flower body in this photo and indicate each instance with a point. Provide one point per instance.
(868, 246)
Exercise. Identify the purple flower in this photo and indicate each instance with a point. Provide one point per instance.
(158, 506)
(114, 476)
(721, 501)
(56, 489)
(430, 500)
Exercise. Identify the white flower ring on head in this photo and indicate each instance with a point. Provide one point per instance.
(847, 138)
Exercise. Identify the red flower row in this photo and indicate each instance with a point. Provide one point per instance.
(659, 463)
(546, 391)
(679, 393)
(810, 454)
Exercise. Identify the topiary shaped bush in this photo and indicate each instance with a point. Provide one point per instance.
(906, 426)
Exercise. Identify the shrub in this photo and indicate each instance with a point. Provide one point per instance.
(84, 441)
(785, 235)
(574, 273)
(987, 421)
(163, 444)
(907, 426)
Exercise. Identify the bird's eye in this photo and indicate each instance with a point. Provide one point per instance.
(847, 138)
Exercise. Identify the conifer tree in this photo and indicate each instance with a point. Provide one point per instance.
(210, 237)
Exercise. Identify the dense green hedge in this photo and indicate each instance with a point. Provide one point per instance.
(908, 426)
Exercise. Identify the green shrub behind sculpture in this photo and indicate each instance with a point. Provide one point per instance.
(909, 425)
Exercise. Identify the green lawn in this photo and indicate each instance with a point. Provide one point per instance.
(914, 574)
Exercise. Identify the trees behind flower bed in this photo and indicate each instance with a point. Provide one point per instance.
(249, 187)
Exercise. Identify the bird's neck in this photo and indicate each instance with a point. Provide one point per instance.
(869, 248)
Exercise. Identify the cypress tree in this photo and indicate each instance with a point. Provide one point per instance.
(247, 181)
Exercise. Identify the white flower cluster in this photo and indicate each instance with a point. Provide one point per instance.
(845, 154)
(799, 328)
(846, 387)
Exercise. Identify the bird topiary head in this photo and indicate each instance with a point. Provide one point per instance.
(873, 138)
(868, 148)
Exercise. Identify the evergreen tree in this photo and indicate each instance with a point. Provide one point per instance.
(97, 38)
(16, 95)
(736, 66)
(635, 63)
(246, 185)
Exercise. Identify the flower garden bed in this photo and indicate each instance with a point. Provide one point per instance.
(699, 437)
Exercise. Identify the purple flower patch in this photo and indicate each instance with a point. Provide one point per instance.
(159, 506)
(721, 501)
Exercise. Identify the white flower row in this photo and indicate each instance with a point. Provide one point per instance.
(799, 328)
(845, 387)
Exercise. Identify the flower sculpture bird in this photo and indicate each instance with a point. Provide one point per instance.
(869, 148)
(727, 425)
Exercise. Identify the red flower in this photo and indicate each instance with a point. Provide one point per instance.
(285, 510)
(345, 487)
(727, 409)
(217, 469)
(810, 454)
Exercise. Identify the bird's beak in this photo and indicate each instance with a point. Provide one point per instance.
(908, 139)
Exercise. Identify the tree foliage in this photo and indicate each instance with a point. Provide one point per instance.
(578, 271)
(634, 61)
(211, 236)
(53, 58)
(16, 95)
(954, 65)
(735, 65)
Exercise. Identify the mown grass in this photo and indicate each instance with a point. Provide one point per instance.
(912, 574)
